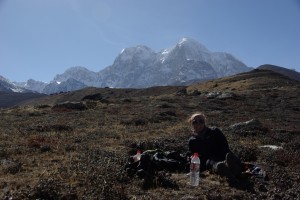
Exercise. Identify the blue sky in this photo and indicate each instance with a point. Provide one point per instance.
(42, 38)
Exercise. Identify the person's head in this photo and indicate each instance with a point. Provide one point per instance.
(197, 122)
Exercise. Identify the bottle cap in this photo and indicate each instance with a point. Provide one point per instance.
(139, 152)
(196, 154)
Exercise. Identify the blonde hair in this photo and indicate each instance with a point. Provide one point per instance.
(196, 115)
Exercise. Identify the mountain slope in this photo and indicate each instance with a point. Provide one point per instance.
(133, 67)
(284, 71)
(187, 49)
(7, 86)
(257, 79)
(10, 99)
(70, 84)
(33, 85)
(78, 73)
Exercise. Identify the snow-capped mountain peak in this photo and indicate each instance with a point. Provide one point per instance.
(140, 67)
(187, 48)
(187, 60)
(192, 44)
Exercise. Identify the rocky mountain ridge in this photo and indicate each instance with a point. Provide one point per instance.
(140, 67)
(8, 87)
(31, 84)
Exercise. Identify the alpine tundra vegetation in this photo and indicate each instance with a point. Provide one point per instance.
(75, 145)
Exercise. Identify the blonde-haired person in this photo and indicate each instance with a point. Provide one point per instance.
(212, 147)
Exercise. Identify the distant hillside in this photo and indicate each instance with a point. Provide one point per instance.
(10, 99)
(107, 94)
(254, 80)
(287, 72)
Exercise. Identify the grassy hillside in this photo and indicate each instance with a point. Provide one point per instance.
(10, 99)
(48, 153)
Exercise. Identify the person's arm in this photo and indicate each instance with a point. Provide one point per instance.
(220, 148)
(192, 145)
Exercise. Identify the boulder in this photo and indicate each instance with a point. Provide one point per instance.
(251, 127)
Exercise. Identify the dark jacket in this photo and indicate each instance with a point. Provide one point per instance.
(212, 148)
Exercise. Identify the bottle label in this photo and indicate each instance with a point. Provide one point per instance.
(195, 166)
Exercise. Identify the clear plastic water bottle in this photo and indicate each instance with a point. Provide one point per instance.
(137, 156)
(195, 170)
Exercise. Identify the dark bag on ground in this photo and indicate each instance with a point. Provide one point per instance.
(157, 160)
